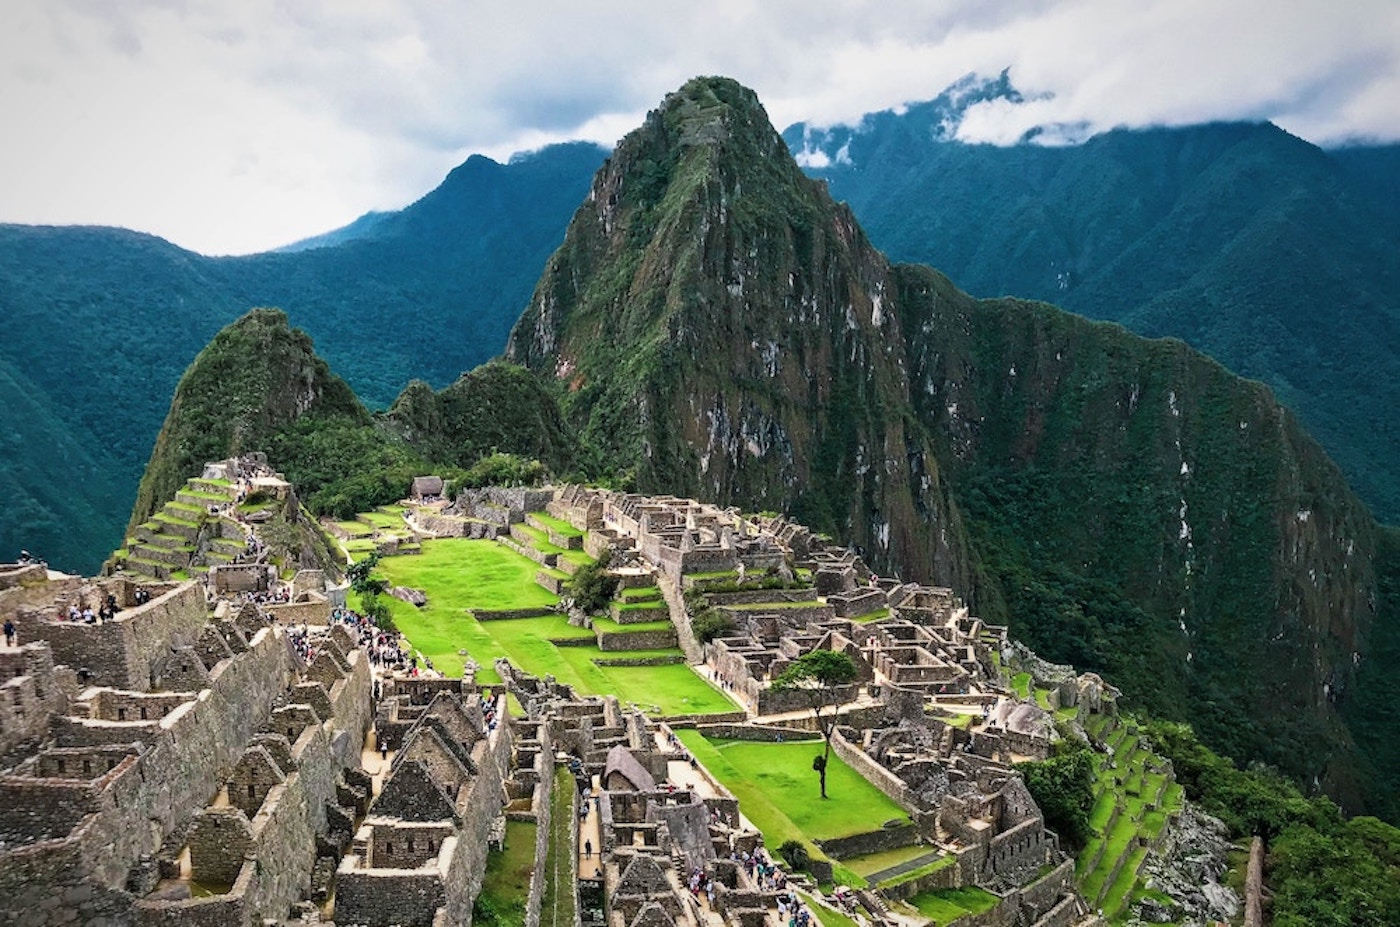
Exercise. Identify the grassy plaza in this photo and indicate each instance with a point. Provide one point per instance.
(459, 575)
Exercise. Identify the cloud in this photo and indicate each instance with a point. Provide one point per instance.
(236, 127)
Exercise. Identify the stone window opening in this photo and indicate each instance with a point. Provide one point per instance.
(62, 767)
(143, 712)
(252, 792)
(121, 714)
(410, 844)
(87, 767)
(389, 849)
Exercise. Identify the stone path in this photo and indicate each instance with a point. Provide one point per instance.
(589, 831)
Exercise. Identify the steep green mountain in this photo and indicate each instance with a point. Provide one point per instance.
(717, 325)
(103, 321)
(496, 408)
(1280, 260)
(254, 380)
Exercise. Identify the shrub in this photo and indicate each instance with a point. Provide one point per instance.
(592, 587)
(796, 855)
(710, 623)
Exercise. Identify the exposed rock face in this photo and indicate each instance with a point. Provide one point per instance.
(716, 325)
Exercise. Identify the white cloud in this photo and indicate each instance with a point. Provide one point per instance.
(235, 127)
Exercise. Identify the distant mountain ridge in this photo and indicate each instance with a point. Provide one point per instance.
(1277, 258)
(101, 321)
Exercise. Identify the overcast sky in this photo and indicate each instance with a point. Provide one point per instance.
(231, 127)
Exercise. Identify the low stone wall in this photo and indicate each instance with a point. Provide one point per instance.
(880, 777)
(756, 596)
(947, 877)
(505, 614)
(762, 733)
(635, 661)
(872, 841)
(542, 805)
(15, 575)
(798, 614)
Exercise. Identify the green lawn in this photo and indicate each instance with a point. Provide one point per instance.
(778, 790)
(875, 862)
(826, 916)
(383, 520)
(558, 525)
(949, 904)
(557, 902)
(459, 574)
(506, 883)
(1021, 683)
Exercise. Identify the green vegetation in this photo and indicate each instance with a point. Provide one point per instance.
(506, 885)
(946, 905)
(592, 587)
(823, 674)
(872, 863)
(1063, 787)
(558, 901)
(768, 779)
(459, 575)
(1321, 868)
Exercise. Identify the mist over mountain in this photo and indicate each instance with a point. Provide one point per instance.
(1277, 258)
(1273, 256)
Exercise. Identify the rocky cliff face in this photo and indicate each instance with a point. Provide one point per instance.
(715, 323)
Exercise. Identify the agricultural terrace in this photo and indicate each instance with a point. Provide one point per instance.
(459, 575)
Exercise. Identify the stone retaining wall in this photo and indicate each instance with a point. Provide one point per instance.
(636, 640)
(296, 613)
(505, 614)
(123, 652)
(762, 733)
(880, 777)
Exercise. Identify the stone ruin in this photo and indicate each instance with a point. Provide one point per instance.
(173, 766)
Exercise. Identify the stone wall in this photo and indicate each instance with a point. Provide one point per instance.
(877, 775)
(316, 613)
(485, 801)
(123, 653)
(380, 897)
(637, 640)
(29, 696)
(189, 754)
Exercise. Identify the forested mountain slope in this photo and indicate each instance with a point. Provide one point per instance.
(715, 324)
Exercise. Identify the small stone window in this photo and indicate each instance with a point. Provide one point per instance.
(410, 844)
(121, 714)
(252, 792)
(143, 712)
(62, 767)
(87, 767)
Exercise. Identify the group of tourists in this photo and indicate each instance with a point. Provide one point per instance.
(84, 613)
(381, 646)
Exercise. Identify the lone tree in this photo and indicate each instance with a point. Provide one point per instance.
(822, 673)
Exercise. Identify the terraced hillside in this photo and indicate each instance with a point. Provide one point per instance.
(1136, 797)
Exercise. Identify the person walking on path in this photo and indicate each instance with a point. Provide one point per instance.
(587, 848)
(9, 632)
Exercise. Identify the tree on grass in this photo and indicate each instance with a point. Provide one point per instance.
(592, 586)
(1063, 787)
(822, 673)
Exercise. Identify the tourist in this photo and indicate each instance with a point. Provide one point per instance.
(9, 632)
(587, 848)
